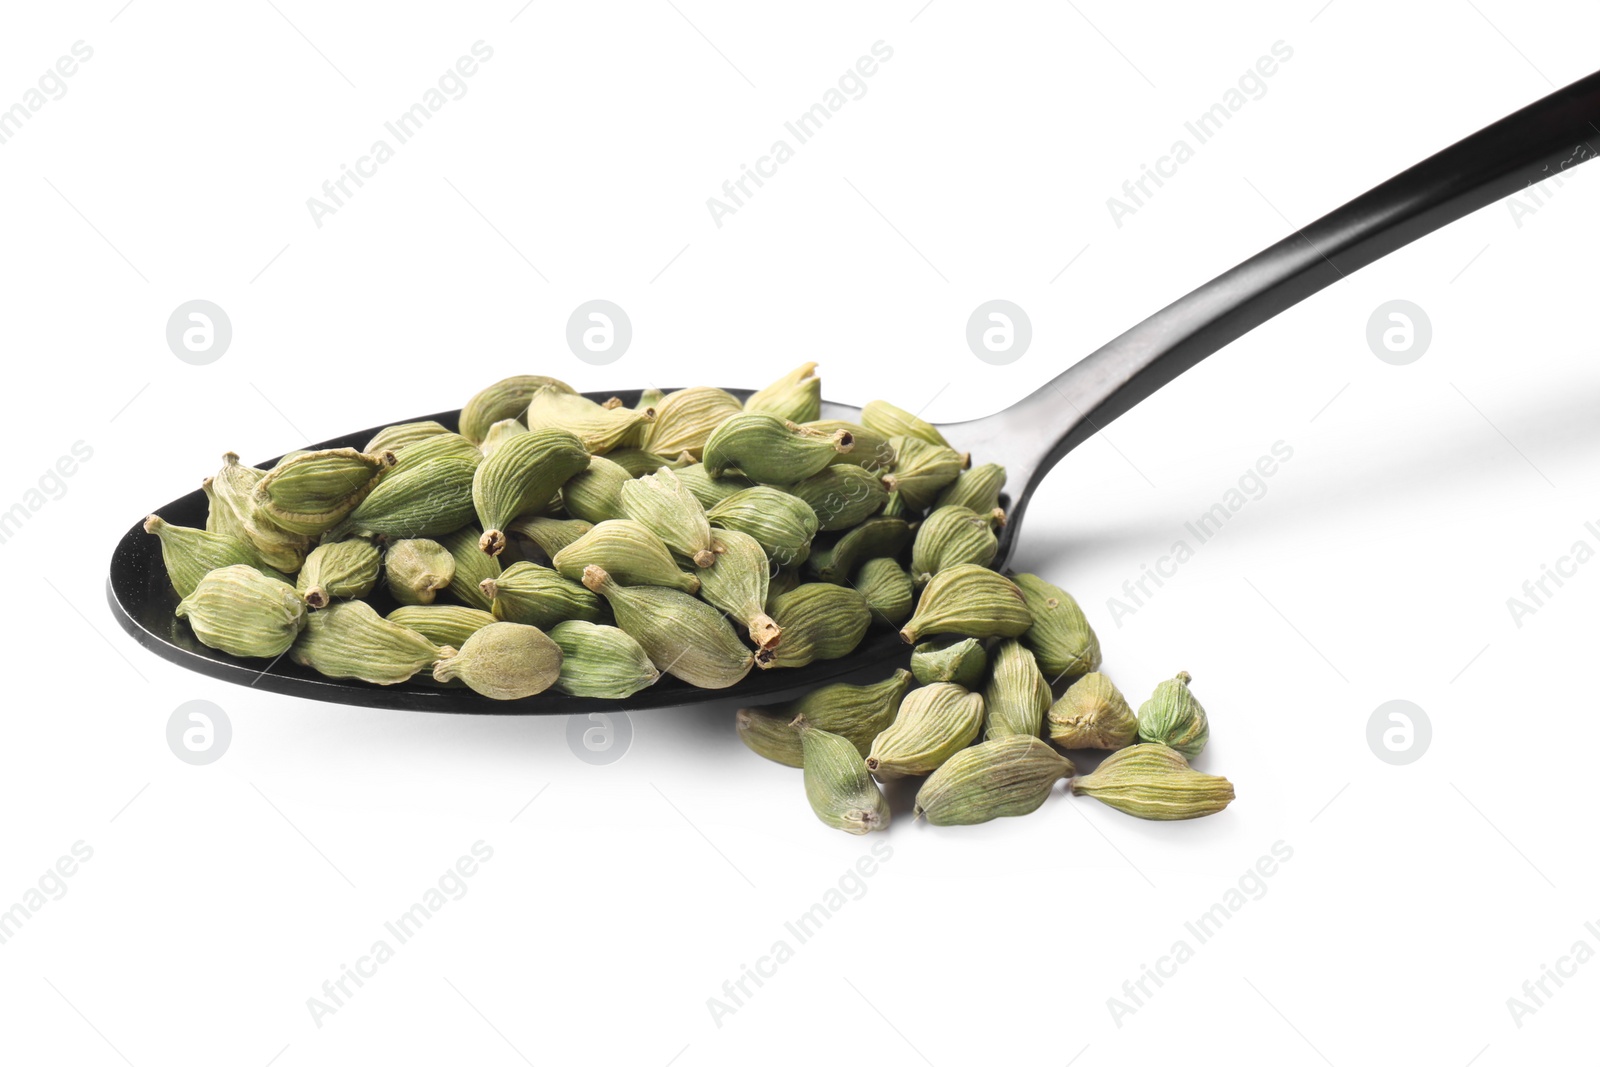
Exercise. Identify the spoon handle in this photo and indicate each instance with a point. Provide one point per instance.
(1529, 146)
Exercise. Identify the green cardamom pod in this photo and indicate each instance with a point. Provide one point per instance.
(1017, 696)
(595, 494)
(797, 396)
(950, 659)
(416, 570)
(599, 428)
(234, 511)
(650, 398)
(935, 722)
(638, 462)
(708, 490)
(737, 583)
(243, 612)
(627, 551)
(190, 554)
(842, 495)
(399, 436)
(505, 399)
(840, 789)
(443, 624)
(663, 505)
(872, 450)
(972, 601)
(888, 590)
(1152, 781)
(685, 419)
(503, 661)
(424, 500)
(344, 570)
(350, 640)
(783, 579)
(687, 638)
(1061, 637)
(782, 524)
(834, 561)
(819, 621)
(884, 418)
(538, 596)
(769, 449)
(1092, 714)
(311, 493)
(1006, 776)
(438, 446)
(523, 475)
(922, 470)
(601, 661)
(1173, 717)
(472, 567)
(977, 489)
(952, 535)
(896, 507)
(550, 535)
(856, 712)
(499, 433)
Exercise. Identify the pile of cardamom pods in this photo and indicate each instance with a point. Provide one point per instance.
(553, 541)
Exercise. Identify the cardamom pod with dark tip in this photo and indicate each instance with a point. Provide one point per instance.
(550, 535)
(950, 659)
(684, 637)
(472, 567)
(1092, 714)
(443, 624)
(599, 428)
(922, 470)
(841, 495)
(629, 552)
(664, 506)
(819, 621)
(650, 398)
(1006, 776)
(342, 569)
(685, 419)
(736, 582)
(601, 661)
(884, 418)
(887, 588)
(1153, 781)
(1061, 638)
(190, 554)
(949, 536)
(872, 450)
(969, 600)
(1017, 696)
(782, 524)
(840, 790)
(416, 570)
(503, 661)
(856, 712)
(835, 561)
(350, 640)
(401, 435)
(242, 612)
(797, 396)
(977, 489)
(1173, 717)
(595, 493)
(539, 596)
(312, 492)
(505, 399)
(424, 500)
(523, 474)
(935, 722)
(769, 449)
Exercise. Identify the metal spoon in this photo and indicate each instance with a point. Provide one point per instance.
(1028, 438)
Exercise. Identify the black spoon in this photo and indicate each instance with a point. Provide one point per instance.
(1538, 142)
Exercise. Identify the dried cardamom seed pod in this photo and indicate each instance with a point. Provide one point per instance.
(896, 507)
(977, 489)
(663, 505)
(341, 569)
(1017, 695)
(601, 661)
(972, 601)
(884, 418)
(782, 580)
(952, 535)
(797, 396)
(685, 419)
(1061, 638)
(950, 659)
(503, 661)
(437, 446)
(856, 712)
(650, 398)
(834, 561)
(782, 524)
(599, 428)
(840, 790)
(350, 640)
(243, 612)
(425, 500)
(638, 462)
(1173, 717)
(1005, 776)
(443, 624)
(922, 470)
(1152, 781)
(841, 495)
(595, 494)
(708, 490)
(819, 621)
(498, 435)
(234, 511)
(505, 399)
(472, 567)
(685, 637)
(397, 437)
(887, 588)
(523, 475)
(538, 596)
(935, 722)
(416, 569)
(627, 551)
(769, 449)
(550, 535)
(1092, 714)
(737, 584)
(872, 450)
(190, 554)
(311, 493)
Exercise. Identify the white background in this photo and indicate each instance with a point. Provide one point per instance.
(1377, 566)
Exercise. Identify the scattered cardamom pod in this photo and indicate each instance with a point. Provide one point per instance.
(952, 535)
(397, 437)
(443, 624)
(684, 637)
(842, 495)
(840, 790)
(950, 659)
(549, 535)
(416, 570)
(922, 470)
(1152, 781)
(769, 449)
(884, 418)
(505, 399)
(539, 596)
(857, 712)
(1005, 776)
(1092, 714)
(350, 640)
(243, 612)
(522, 475)
(312, 492)
(472, 567)
(340, 569)
(736, 582)
(969, 600)
(629, 552)
(1173, 717)
(601, 661)
(595, 493)
(599, 428)
(797, 396)
(935, 722)
(834, 560)
(503, 661)
(887, 589)
(1017, 696)
(685, 419)
(819, 621)
(782, 524)
(1061, 638)
(663, 505)
(977, 489)
(191, 554)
